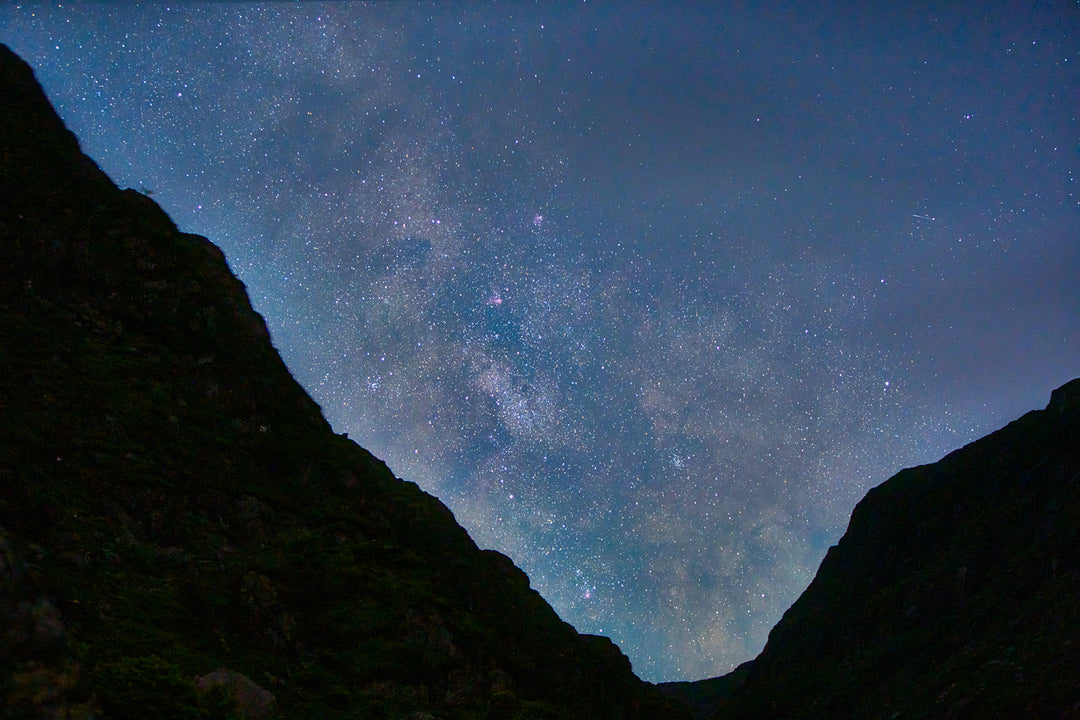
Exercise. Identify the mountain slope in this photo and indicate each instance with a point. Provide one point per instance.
(955, 592)
(173, 502)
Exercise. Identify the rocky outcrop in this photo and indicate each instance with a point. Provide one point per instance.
(240, 693)
(42, 678)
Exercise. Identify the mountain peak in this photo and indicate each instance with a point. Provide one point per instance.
(1066, 398)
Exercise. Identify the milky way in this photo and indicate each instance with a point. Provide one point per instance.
(649, 298)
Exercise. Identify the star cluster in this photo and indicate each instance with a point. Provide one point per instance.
(649, 297)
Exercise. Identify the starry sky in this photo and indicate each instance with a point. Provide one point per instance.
(649, 294)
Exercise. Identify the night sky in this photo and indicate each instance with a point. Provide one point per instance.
(649, 294)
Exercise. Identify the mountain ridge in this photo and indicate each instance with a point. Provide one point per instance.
(953, 593)
(175, 505)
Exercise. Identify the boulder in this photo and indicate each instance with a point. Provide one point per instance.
(249, 700)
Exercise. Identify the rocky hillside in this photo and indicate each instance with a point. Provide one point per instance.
(954, 593)
(181, 533)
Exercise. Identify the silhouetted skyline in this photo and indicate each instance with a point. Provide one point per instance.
(649, 297)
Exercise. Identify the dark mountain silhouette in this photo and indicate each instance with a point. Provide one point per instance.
(954, 593)
(183, 536)
(181, 533)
